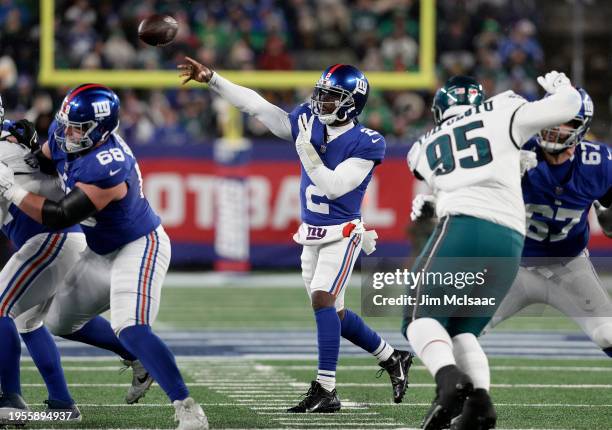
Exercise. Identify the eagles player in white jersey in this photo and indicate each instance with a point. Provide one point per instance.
(471, 160)
(28, 282)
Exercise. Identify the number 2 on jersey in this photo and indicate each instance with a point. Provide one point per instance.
(440, 152)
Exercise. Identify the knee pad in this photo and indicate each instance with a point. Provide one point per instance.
(59, 326)
(29, 321)
(602, 335)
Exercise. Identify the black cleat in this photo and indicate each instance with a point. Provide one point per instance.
(397, 366)
(317, 400)
(452, 388)
(478, 413)
(13, 409)
(66, 411)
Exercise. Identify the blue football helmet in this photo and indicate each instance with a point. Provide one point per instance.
(87, 116)
(340, 94)
(558, 139)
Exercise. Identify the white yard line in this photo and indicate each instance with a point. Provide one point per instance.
(270, 379)
(369, 368)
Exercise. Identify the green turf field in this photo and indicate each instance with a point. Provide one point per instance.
(254, 393)
(286, 308)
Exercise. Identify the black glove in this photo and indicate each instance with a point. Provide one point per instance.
(25, 133)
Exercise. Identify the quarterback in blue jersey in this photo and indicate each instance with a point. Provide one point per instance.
(128, 251)
(338, 156)
(567, 175)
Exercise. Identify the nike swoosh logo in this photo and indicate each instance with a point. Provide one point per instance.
(374, 141)
(143, 379)
(114, 172)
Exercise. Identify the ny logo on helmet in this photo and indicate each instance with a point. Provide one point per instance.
(361, 86)
(588, 106)
(101, 109)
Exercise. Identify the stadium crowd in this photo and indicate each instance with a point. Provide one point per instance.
(494, 40)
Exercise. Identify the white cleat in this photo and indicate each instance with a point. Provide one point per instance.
(189, 415)
(141, 381)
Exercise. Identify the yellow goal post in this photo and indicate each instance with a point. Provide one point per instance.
(51, 77)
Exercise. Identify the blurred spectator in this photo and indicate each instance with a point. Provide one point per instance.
(494, 40)
(275, 56)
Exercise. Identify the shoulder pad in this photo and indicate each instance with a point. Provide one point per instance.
(508, 97)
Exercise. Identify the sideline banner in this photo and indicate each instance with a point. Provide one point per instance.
(182, 183)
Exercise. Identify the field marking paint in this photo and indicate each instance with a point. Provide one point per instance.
(265, 380)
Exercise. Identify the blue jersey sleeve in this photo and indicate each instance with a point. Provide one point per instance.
(371, 146)
(530, 145)
(105, 168)
(294, 115)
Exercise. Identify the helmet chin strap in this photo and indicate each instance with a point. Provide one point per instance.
(328, 119)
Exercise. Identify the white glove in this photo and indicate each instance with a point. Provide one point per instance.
(307, 153)
(8, 189)
(418, 204)
(529, 160)
(552, 81)
(368, 243)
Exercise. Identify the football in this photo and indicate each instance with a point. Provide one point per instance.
(158, 30)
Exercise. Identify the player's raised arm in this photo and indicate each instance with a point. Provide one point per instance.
(245, 99)
(333, 183)
(560, 105)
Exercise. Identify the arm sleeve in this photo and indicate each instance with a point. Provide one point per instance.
(247, 100)
(413, 158)
(347, 176)
(70, 210)
(531, 117)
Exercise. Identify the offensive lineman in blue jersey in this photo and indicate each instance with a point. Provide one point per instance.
(338, 156)
(567, 176)
(128, 250)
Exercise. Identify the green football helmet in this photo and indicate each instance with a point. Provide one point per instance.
(458, 90)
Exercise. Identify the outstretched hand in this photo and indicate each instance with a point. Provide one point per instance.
(191, 69)
(25, 133)
(552, 81)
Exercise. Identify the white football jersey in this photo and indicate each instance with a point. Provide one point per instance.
(472, 163)
(27, 174)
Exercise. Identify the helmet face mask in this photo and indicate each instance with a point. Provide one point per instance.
(562, 137)
(340, 94)
(87, 116)
(73, 136)
(327, 101)
(555, 140)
